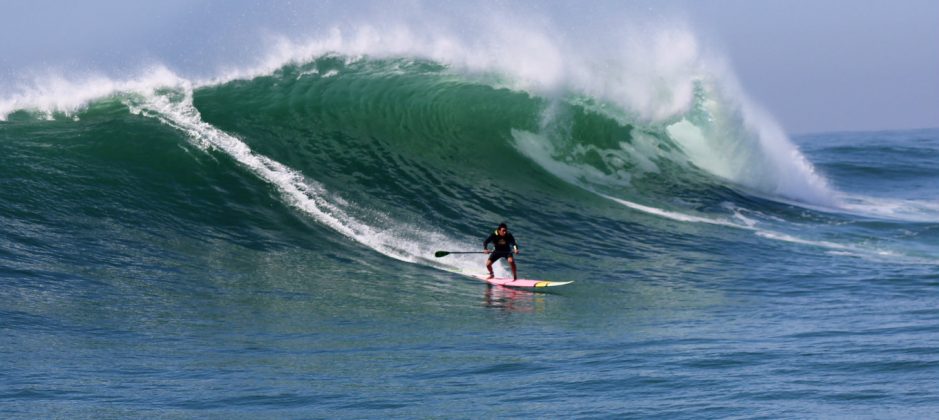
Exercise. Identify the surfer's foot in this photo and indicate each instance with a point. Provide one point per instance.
(490, 276)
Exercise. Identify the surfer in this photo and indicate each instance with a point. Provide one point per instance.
(504, 244)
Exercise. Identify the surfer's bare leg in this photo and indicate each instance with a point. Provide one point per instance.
(489, 267)
(512, 263)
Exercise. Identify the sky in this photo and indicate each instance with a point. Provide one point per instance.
(816, 66)
(832, 65)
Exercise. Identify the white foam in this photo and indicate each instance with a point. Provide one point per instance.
(681, 217)
(53, 92)
(734, 139)
(738, 214)
(833, 248)
(891, 208)
(648, 70)
(789, 238)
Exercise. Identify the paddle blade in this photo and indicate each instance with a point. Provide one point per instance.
(439, 254)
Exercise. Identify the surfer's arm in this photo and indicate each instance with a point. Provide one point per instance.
(487, 241)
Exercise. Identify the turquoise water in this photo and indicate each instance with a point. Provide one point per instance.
(263, 247)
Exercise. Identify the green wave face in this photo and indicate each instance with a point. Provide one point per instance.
(401, 127)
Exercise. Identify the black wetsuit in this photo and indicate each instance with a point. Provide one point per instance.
(503, 244)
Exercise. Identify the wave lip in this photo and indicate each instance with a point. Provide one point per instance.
(55, 93)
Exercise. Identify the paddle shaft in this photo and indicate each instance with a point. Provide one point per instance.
(439, 254)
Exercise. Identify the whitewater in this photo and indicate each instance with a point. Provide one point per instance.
(260, 240)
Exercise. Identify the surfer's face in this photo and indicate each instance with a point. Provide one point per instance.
(502, 231)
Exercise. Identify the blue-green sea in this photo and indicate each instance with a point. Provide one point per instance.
(261, 246)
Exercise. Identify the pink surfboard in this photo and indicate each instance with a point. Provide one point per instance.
(525, 283)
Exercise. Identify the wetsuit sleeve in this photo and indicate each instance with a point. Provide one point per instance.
(512, 241)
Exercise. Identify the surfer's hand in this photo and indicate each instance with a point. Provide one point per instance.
(516, 251)
(486, 251)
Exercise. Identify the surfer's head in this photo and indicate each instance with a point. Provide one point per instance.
(503, 228)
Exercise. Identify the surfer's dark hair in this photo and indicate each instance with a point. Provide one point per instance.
(503, 225)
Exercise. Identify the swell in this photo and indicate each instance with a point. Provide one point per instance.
(442, 119)
(407, 130)
(401, 157)
(404, 156)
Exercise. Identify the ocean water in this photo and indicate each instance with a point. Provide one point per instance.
(261, 245)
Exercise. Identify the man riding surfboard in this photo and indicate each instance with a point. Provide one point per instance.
(504, 244)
